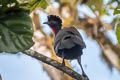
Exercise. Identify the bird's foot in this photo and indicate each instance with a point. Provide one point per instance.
(85, 76)
(63, 62)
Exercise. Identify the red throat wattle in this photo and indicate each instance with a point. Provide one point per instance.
(53, 29)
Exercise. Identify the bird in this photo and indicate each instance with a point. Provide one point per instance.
(68, 42)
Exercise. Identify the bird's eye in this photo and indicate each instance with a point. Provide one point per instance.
(53, 22)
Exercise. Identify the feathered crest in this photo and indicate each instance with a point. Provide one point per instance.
(54, 18)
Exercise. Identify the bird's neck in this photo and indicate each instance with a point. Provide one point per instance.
(55, 30)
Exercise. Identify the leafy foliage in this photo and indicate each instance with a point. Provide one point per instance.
(118, 32)
(28, 5)
(117, 10)
(32, 4)
(96, 5)
(16, 31)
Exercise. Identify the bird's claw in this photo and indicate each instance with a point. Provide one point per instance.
(85, 77)
(63, 63)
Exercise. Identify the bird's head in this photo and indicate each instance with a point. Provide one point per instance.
(54, 22)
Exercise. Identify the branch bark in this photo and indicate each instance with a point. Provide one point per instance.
(0, 77)
(55, 64)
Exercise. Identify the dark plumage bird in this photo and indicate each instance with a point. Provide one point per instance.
(68, 43)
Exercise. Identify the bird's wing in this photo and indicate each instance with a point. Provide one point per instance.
(77, 40)
(63, 43)
(76, 37)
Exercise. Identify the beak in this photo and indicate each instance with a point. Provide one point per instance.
(45, 23)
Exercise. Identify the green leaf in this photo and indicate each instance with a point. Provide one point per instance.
(98, 5)
(117, 10)
(7, 4)
(118, 32)
(28, 5)
(104, 11)
(16, 31)
(32, 4)
(43, 4)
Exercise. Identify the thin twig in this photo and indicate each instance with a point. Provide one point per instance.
(55, 64)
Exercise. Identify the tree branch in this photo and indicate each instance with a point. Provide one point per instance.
(55, 64)
(0, 77)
